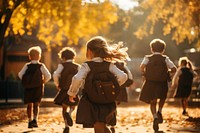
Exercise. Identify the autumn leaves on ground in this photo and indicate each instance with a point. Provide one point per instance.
(131, 119)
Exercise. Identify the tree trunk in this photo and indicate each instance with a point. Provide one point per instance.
(7, 13)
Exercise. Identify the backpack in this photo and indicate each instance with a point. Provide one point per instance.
(129, 81)
(156, 69)
(69, 70)
(101, 86)
(32, 77)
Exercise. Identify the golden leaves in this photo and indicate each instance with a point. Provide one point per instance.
(57, 20)
(179, 18)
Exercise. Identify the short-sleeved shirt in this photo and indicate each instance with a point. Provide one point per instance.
(169, 63)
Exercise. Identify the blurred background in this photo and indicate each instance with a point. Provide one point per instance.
(53, 24)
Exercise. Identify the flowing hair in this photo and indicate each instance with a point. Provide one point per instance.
(186, 62)
(100, 48)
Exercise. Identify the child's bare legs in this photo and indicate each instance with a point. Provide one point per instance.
(64, 109)
(160, 107)
(71, 109)
(35, 110)
(29, 111)
(161, 104)
(154, 113)
(153, 108)
(100, 127)
(184, 103)
(67, 115)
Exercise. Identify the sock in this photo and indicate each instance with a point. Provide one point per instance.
(29, 120)
(66, 124)
(70, 111)
(35, 117)
(155, 116)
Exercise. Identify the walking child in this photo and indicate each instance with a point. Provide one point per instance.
(183, 80)
(62, 79)
(33, 75)
(155, 68)
(91, 112)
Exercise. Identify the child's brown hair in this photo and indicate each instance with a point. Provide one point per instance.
(67, 53)
(157, 45)
(100, 48)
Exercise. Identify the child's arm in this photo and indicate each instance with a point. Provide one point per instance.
(121, 76)
(22, 72)
(175, 79)
(78, 80)
(57, 74)
(143, 66)
(46, 73)
(130, 76)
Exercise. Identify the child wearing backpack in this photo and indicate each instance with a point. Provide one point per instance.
(154, 68)
(62, 79)
(33, 75)
(123, 96)
(94, 111)
(183, 80)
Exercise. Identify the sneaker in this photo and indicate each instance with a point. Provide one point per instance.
(155, 124)
(69, 119)
(66, 130)
(34, 123)
(185, 113)
(30, 124)
(160, 118)
(112, 130)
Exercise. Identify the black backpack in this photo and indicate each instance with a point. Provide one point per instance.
(156, 69)
(32, 77)
(101, 86)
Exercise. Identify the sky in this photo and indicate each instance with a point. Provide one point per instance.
(123, 4)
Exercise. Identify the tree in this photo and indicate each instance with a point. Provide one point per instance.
(55, 21)
(6, 10)
(60, 20)
(181, 18)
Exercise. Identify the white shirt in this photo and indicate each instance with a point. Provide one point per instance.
(58, 71)
(79, 78)
(44, 70)
(169, 63)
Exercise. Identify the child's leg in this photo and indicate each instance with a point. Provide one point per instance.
(153, 108)
(35, 110)
(64, 109)
(154, 113)
(184, 103)
(71, 109)
(161, 104)
(160, 107)
(100, 127)
(29, 111)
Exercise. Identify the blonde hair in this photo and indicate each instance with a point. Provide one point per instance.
(185, 62)
(100, 48)
(34, 51)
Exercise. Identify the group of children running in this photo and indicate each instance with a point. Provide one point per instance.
(70, 78)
